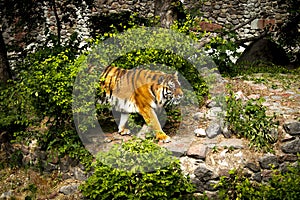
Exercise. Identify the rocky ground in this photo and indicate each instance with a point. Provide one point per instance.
(205, 154)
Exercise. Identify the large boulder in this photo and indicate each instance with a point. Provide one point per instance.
(266, 51)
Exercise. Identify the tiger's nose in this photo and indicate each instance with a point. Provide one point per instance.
(180, 94)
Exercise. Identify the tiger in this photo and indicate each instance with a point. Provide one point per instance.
(140, 91)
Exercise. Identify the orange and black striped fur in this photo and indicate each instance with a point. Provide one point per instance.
(140, 91)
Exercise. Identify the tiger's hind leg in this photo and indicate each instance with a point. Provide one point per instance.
(123, 119)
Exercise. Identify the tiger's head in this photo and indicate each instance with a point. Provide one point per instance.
(171, 92)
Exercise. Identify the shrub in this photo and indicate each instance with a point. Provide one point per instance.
(249, 120)
(279, 186)
(41, 94)
(137, 169)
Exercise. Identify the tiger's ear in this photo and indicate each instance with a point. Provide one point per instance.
(176, 74)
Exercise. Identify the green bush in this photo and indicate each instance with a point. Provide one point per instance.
(249, 120)
(281, 186)
(219, 49)
(42, 94)
(137, 169)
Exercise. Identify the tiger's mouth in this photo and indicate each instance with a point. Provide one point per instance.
(176, 100)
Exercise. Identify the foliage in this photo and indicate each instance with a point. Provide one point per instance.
(41, 95)
(279, 186)
(249, 120)
(185, 26)
(137, 169)
(288, 34)
(222, 49)
(248, 69)
(117, 22)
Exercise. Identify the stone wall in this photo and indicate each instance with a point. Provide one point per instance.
(145, 8)
(256, 14)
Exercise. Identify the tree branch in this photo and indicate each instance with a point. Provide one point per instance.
(58, 23)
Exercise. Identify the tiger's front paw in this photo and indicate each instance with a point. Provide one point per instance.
(125, 132)
(161, 136)
(167, 140)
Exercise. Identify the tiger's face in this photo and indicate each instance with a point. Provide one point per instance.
(171, 90)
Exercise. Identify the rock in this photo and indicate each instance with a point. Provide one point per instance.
(274, 135)
(210, 143)
(6, 195)
(287, 137)
(223, 153)
(200, 132)
(266, 51)
(253, 167)
(199, 185)
(207, 3)
(79, 174)
(209, 185)
(226, 131)
(203, 173)
(292, 128)
(233, 142)
(188, 165)
(247, 173)
(67, 162)
(275, 97)
(235, 21)
(266, 175)
(292, 147)
(223, 172)
(223, 162)
(253, 96)
(257, 177)
(213, 130)
(179, 144)
(49, 167)
(69, 189)
(217, 7)
(211, 104)
(288, 158)
(197, 150)
(214, 112)
(268, 161)
(221, 19)
(198, 116)
(240, 95)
